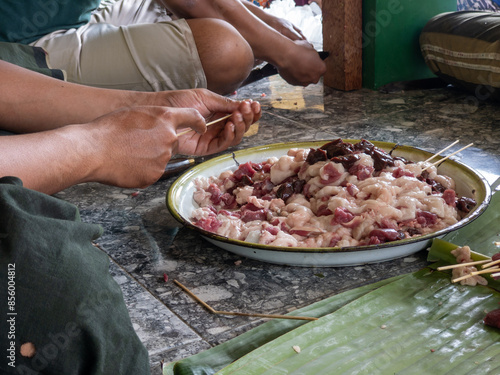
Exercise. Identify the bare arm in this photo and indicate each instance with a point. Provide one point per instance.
(128, 148)
(31, 102)
(75, 136)
(281, 25)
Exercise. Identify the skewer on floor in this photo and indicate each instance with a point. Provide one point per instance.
(213, 311)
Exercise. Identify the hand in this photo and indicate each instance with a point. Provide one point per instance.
(302, 64)
(284, 27)
(223, 135)
(281, 25)
(131, 147)
(209, 104)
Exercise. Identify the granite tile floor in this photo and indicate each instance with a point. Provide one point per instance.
(144, 242)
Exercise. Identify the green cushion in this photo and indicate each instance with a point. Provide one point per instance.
(463, 48)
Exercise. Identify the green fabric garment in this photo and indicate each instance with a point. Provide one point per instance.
(26, 21)
(56, 292)
(32, 58)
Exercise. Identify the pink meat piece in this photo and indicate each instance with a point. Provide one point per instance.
(323, 210)
(228, 200)
(450, 197)
(352, 189)
(250, 212)
(399, 172)
(248, 215)
(334, 240)
(385, 235)
(266, 167)
(426, 218)
(389, 223)
(210, 224)
(303, 233)
(244, 170)
(263, 188)
(342, 216)
(493, 318)
(235, 214)
(272, 229)
(362, 172)
(331, 173)
(215, 193)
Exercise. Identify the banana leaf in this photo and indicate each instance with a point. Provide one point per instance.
(212, 360)
(482, 234)
(418, 324)
(440, 252)
(403, 305)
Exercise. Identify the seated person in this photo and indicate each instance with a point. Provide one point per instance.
(136, 45)
(463, 49)
(66, 313)
(69, 133)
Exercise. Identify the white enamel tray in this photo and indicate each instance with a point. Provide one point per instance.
(180, 202)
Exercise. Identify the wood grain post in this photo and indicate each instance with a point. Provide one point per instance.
(342, 37)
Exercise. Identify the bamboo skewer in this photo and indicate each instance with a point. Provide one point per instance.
(495, 262)
(463, 264)
(208, 124)
(213, 311)
(274, 316)
(446, 157)
(440, 152)
(475, 273)
(195, 297)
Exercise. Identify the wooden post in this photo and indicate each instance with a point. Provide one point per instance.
(342, 37)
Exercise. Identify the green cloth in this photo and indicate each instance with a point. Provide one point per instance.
(26, 21)
(56, 292)
(32, 58)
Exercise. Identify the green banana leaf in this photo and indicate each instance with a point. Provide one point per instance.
(418, 324)
(483, 234)
(212, 360)
(403, 301)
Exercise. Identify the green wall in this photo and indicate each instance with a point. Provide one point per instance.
(391, 29)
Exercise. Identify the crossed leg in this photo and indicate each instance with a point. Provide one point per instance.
(145, 52)
(226, 57)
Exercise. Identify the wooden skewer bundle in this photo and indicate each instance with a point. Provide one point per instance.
(488, 267)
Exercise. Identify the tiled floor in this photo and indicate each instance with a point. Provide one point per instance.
(144, 241)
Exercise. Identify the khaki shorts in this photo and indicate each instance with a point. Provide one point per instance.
(131, 45)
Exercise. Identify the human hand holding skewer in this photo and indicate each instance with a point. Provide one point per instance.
(207, 125)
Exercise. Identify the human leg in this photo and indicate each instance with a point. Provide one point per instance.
(173, 55)
(226, 57)
(143, 57)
